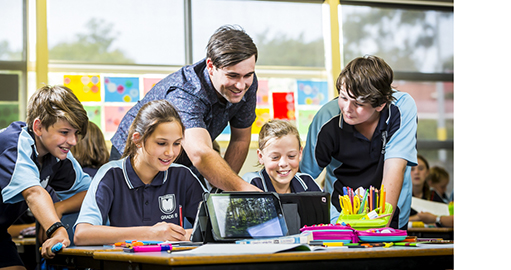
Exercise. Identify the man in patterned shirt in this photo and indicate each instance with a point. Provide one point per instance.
(209, 94)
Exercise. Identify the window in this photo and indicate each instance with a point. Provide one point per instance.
(286, 34)
(409, 40)
(11, 42)
(126, 32)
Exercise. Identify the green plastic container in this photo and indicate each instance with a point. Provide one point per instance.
(357, 223)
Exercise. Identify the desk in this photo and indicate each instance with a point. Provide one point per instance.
(27, 251)
(370, 258)
(80, 257)
(445, 233)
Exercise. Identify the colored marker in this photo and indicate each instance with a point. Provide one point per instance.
(57, 247)
(181, 216)
(152, 248)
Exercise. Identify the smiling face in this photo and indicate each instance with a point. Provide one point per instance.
(355, 111)
(56, 139)
(281, 159)
(232, 82)
(158, 151)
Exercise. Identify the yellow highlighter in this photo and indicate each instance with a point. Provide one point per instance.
(333, 244)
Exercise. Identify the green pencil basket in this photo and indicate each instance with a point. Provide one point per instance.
(357, 223)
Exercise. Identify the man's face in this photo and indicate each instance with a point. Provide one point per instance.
(232, 82)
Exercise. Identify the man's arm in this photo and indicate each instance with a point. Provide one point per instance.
(237, 151)
(393, 172)
(211, 165)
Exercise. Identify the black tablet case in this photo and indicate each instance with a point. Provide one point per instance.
(305, 208)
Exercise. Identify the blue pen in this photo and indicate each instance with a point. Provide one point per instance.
(57, 247)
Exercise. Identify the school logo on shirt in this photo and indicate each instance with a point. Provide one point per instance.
(167, 203)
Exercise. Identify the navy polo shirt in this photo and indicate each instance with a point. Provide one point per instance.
(361, 159)
(402, 144)
(20, 169)
(301, 182)
(117, 196)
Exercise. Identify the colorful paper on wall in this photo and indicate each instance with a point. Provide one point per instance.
(284, 106)
(122, 89)
(263, 94)
(304, 120)
(113, 116)
(262, 116)
(149, 83)
(8, 113)
(85, 87)
(94, 114)
(312, 92)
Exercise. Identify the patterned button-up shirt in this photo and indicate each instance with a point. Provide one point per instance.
(190, 90)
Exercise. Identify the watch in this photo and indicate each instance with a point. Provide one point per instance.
(438, 222)
(54, 227)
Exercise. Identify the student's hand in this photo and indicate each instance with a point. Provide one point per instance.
(426, 217)
(60, 236)
(169, 232)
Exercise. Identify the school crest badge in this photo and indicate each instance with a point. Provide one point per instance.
(167, 203)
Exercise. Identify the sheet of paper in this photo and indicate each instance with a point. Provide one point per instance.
(244, 249)
(436, 208)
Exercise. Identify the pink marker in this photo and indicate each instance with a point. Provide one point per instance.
(152, 248)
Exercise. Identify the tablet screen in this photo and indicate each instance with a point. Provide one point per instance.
(246, 215)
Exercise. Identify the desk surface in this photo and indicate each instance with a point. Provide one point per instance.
(183, 258)
(444, 233)
(433, 230)
(28, 241)
(394, 257)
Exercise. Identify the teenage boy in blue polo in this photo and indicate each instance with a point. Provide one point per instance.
(366, 136)
(35, 157)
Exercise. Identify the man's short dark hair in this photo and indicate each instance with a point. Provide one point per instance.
(230, 45)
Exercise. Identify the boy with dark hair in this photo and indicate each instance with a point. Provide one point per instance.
(365, 137)
(216, 91)
(35, 157)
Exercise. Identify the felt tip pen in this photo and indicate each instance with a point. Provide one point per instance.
(57, 247)
(406, 244)
(180, 216)
(152, 248)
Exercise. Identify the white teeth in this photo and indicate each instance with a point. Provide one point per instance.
(283, 172)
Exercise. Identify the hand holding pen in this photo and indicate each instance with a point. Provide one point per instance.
(164, 231)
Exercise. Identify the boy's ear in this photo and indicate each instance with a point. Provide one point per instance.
(37, 127)
(380, 108)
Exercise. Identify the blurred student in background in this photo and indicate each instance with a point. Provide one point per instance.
(91, 152)
(280, 152)
(438, 179)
